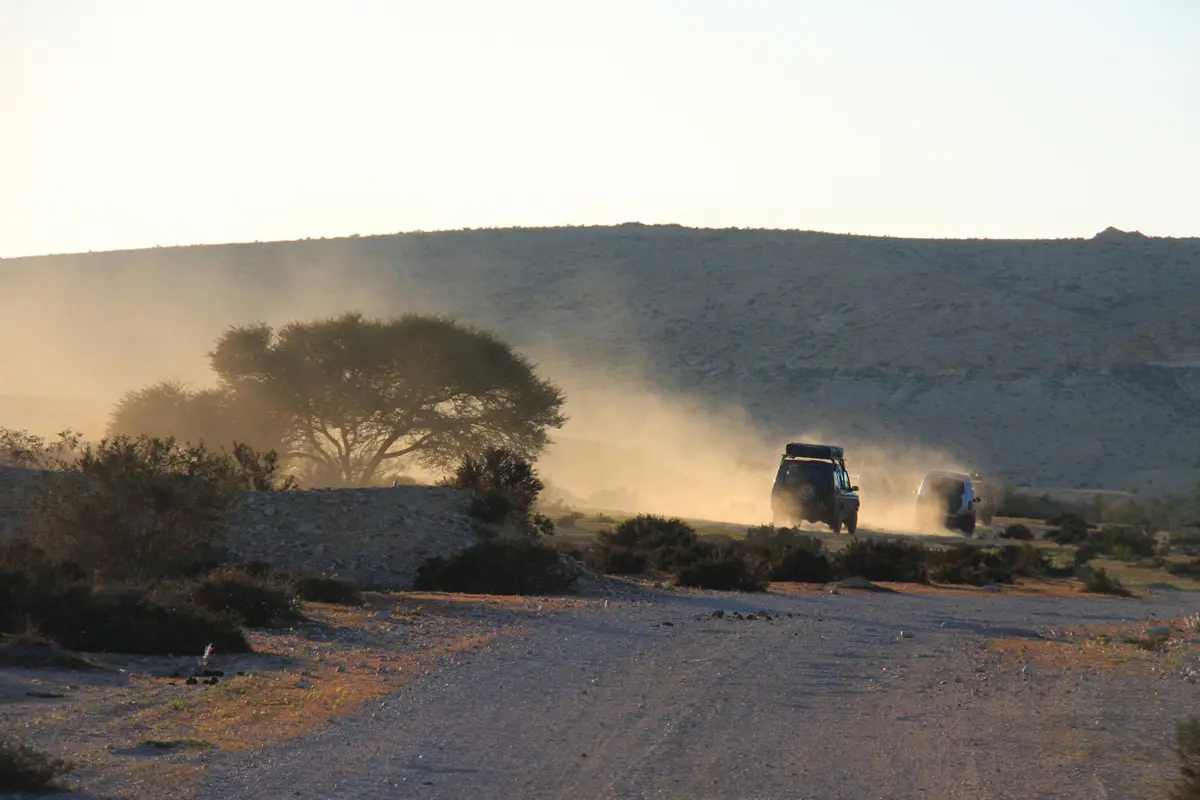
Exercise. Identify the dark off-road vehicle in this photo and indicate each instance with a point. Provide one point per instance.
(812, 485)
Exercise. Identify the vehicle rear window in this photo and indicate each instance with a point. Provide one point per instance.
(804, 471)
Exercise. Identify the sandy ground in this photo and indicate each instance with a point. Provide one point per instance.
(962, 694)
(856, 695)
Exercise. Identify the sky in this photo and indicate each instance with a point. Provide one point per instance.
(127, 124)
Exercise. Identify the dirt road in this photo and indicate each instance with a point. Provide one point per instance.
(853, 696)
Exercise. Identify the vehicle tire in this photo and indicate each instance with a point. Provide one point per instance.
(835, 524)
(967, 524)
(852, 521)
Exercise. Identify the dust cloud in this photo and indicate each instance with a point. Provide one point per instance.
(80, 335)
(630, 447)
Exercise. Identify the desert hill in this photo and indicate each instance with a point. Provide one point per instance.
(1071, 362)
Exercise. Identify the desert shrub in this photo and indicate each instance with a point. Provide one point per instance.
(569, 519)
(882, 560)
(1097, 581)
(120, 619)
(32, 650)
(1011, 502)
(783, 537)
(24, 769)
(618, 560)
(144, 508)
(668, 544)
(20, 553)
(1187, 746)
(505, 488)
(258, 601)
(802, 565)
(726, 572)
(1018, 532)
(970, 565)
(1027, 561)
(323, 589)
(1123, 542)
(1188, 569)
(30, 451)
(498, 566)
(1068, 528)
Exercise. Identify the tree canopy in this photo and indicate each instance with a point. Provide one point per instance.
(350, 399)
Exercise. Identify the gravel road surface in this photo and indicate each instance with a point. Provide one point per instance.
(855, 696)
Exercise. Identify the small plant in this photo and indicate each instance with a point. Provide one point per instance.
(1187, 746)
(23, 769)
(902, 562)
(667, 544)
(498, 566)
(1188, 569)
(31, 650)
(1097, 581)
(142, 509)
(321, 589)
(505, 488)
(802, 565)
(1192, 622)
(1017, 532)
(110, 618)
(259, 602)
(1068, 528)
(970, 565)
(726, 572)
(618, 560)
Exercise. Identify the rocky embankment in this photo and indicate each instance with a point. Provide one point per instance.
(380, 536)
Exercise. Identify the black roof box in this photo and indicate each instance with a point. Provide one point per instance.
(823, 451)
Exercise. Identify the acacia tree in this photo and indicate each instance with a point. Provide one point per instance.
(216, 418)
(354, 398)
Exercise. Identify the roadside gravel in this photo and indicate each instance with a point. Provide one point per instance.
(854, 696)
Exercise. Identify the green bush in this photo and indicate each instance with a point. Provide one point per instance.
(970, 565)
(1187, 746)
(618, 560)
(1097, 581)
(322, 589)
(143, 509)
(257, 601)
(802, 565)
(505, 488)
(1188, 569)
(668, 544)
(24, 769)
(1124, 542)
(726, 572)
(1017, 532)
(498, 566)
(1068, 528)
(31, 650)
(119, 619)
(783, 537)
(884, 560)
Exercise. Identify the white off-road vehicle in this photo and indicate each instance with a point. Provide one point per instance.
(948, 499)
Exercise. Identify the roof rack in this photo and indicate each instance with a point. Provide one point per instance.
(827, 452)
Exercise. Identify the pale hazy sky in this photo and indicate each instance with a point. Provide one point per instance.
(130, 124)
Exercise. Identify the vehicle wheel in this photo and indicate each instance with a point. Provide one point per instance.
(836, 524)
(967, 525)
(852, 522)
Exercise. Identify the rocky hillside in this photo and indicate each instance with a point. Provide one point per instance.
(1067, 362)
